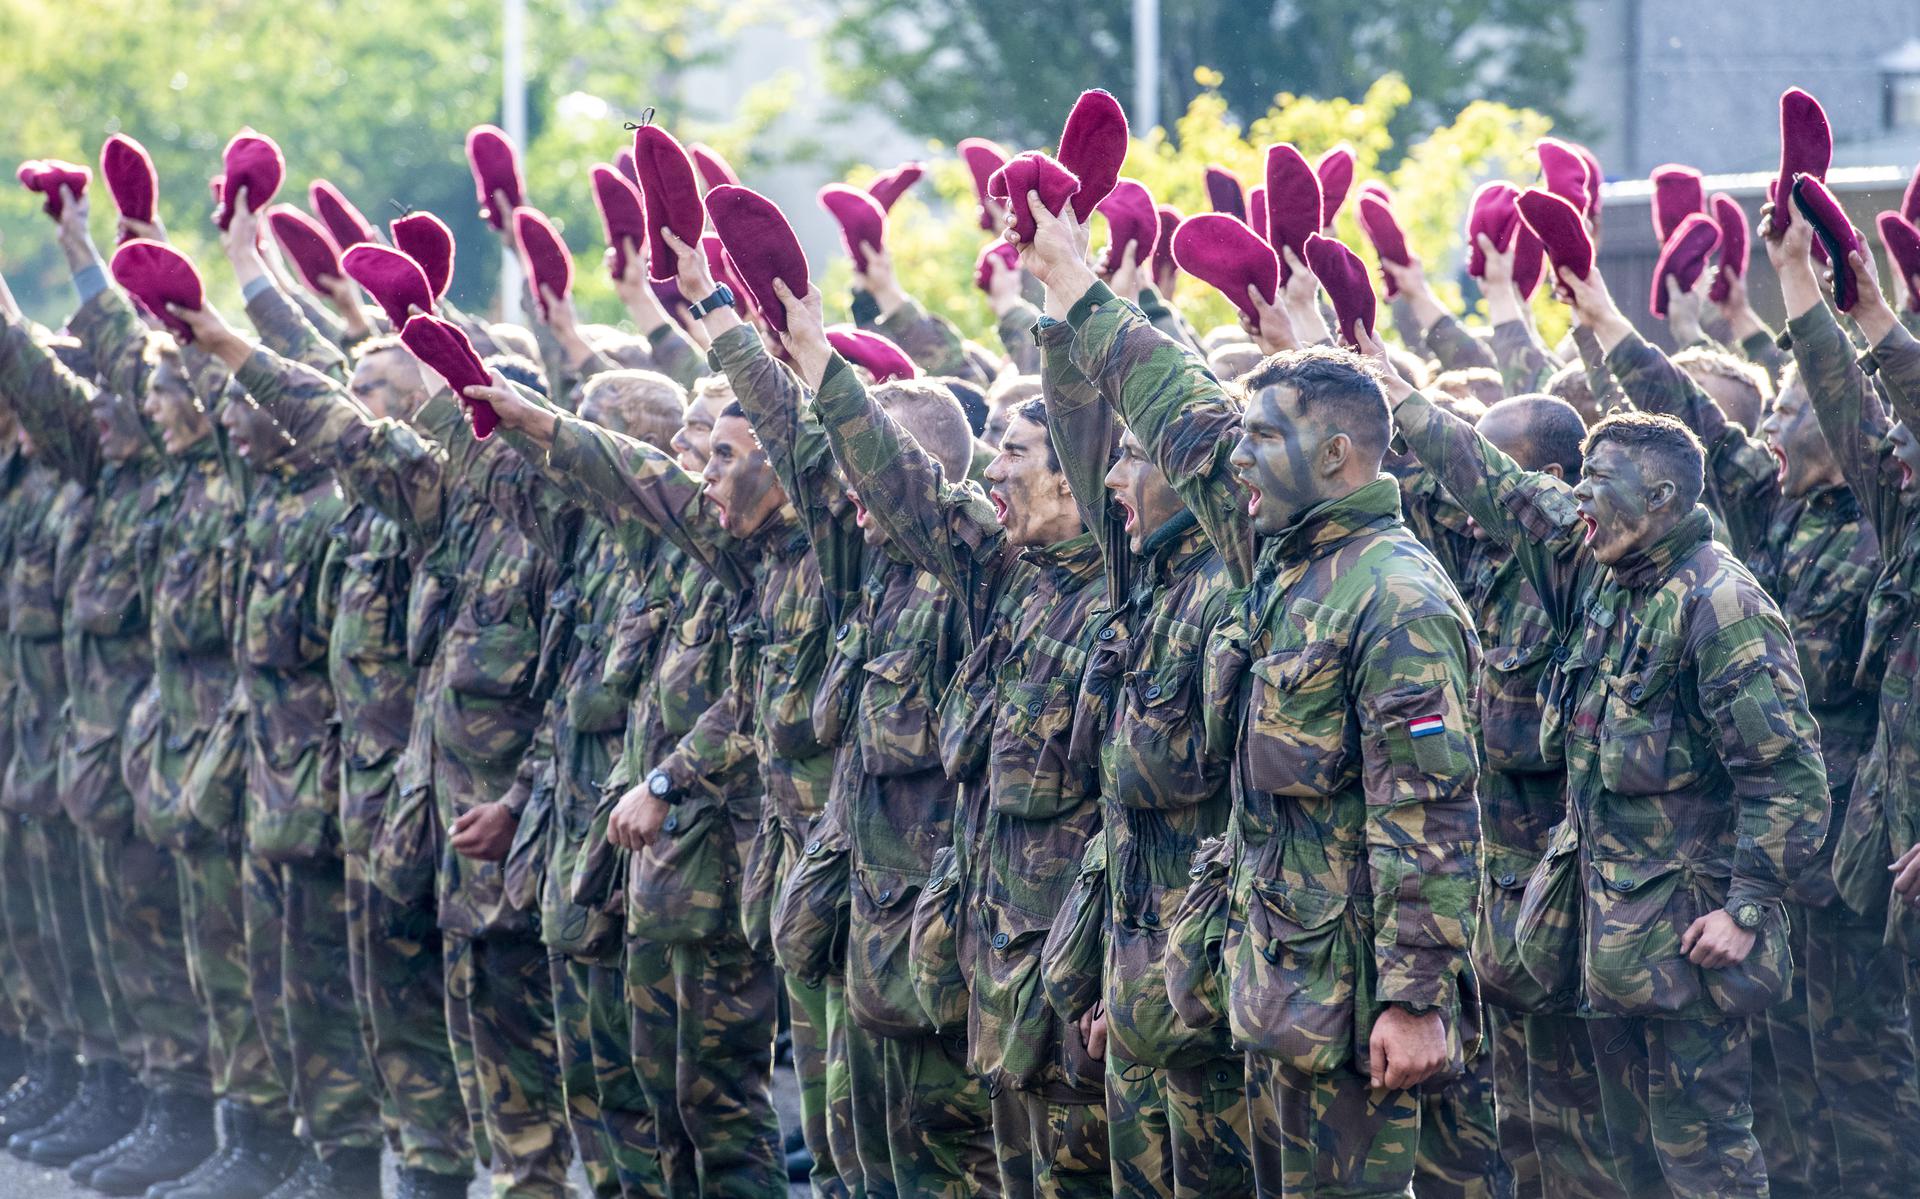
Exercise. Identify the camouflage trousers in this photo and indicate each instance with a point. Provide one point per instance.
(393, 951)
(77, 1018)
(703, 1017)
(819, 1016)
(302, 988)
(211, 911)
(1050, 1148)
(500, 1014)
(1840, 1083)
(1678, 1101)
(922, 1123)
(1179, 1133)
(1565, 1123)
(1331, 1136)
(32, 1000)
(132, 897)
(613, 1128)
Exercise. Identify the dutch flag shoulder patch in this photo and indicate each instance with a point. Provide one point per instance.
(1425, 726)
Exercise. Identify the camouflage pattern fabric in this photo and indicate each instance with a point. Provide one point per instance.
(933, 342)
(1688, 1082)
(1524, 364)
(500, 1003)
(1179, 1132)
(211, 908)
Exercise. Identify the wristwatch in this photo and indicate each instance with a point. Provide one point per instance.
(1748, 914)
(722, 297)
(661, 787)
(1419, 1009)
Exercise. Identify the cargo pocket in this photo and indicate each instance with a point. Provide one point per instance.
(1016, 1036)
(833, 703)
(1073, 959)
(276, 630)
(934, 943)
(787, 688)
(406, 848)
(524, 870)
(1764, 977)
(1546, 926)
(1292, 995)
(896, 716)
(681, 884)
(427, 605)
(767, 860)
(635, 633)
(1503, 979)
(1637, 751)
(1196, 942)
(880, 993)
(1863, 845)
(1297, 715)
(810, 916)
(1638, 912)
(1511, 701)
(599, 875)
(1036, 726)
(966, 715)
(1142, 1025)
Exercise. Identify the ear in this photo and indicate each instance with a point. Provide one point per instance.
(1335, 452)
(1661, 494)
(1556, 470)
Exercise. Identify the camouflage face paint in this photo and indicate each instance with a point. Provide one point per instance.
(739, 479)
(1614, 504)
(1143, 492)
(1274, 461)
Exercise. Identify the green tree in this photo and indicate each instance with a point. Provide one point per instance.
(1009, 69)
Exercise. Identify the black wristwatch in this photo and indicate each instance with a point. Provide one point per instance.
(1418, 1009)
(1748, 914)
(722, 297)
(661, 787)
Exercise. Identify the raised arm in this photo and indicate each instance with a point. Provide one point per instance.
(1081, 426)
(931, 341)
(50, 401)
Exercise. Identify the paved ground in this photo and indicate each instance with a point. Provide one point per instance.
(18, 1180)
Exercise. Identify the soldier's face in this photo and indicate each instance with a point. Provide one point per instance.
(1617, 504)
(691, 443)
(388, 384)
(118, 426)
(870, 530)
(999, 412)
(252, 433)
(739, 479)
(1906, 451)
(174, 409)
(1792, 432)
(1142, 492)
(1029, 495)
(1282, 459)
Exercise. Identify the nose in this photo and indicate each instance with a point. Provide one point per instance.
(1582, 490)
(1114, 481)
(1242, 456)
(995, 472)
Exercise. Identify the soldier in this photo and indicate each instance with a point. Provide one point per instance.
(1356, 838)
(1176, 1095)
(920, 1122)
(1680, 696)
(130, 889)
(1856, 951)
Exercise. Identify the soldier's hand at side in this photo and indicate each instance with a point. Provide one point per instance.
(636, 820)
(484, 833)
(1405, 1050)
(1906, 875)
(1715, 941)
(1093, 1031)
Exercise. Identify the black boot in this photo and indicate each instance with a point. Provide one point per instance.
(300, 1183)
(105, 1108)
(256, 1156)
(13, 1060)
(342, 1174)
(40, 1093)
(425, 1184)
(180, 1137)
(83, 1167)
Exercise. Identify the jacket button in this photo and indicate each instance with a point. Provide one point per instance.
(842, 632)
(886, 896)
(1506, 880)
(813, 847)
(1625, 884)
(671, 823)
(1512, 661)
(1153, 692)
(1151, 920)
(1561, 653)
(1636, 693)
(1000, 940)
(1106, 634)
(1222, 1077)
(1033, 709)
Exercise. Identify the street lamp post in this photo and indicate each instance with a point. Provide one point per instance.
(513, 118)
(1146, 64)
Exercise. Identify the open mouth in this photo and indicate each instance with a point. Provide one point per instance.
(1132, 517)
(1906, 476)
(1253, 501)
(1779, 461)
(999, 506)
(1592, 527)
(859, 512)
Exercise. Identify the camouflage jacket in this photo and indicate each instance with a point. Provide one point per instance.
(1524, 364)
(369, 571)
(1456, 347)
(1348, 672)
(1164, 765)
(1005, 724)
(935, 346)
(1015, 327)
(106, 643)
(49, 520)
(17, 508)
(1693, 767)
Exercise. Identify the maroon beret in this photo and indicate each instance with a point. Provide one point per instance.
(1383, 230)
(863, 220)
(1529, 259)
(1224, 192)
(1806, 148)
(347, 225)
(128, 171)
(156, 274)
(1257, 216)
(395, 281)
(1130, 219)
(889, 186)
(1732, 220)
(1902, 241)
(1683, 258)
(1335, 169)
(1093, 146)
(1594, 180)
(623, 162)
(761, 246)
(671, 194)
(426, 239)
(1677, 195)
(1344, 276)
(882, 359)
(982, 274)
(1562, 231)
(1565, 172)
(622, 213)
(1293, 202)
(47, 176)
(1834, 231)
(720, 267)
(496, 168)
(1170, 219)
(443, 347)
(253, 163)
(308, 244)
(983, 159)
(1219, 249)
(1910, 201)
(713, 169)
(548, 262)
(1492, 213)
(1031, 172)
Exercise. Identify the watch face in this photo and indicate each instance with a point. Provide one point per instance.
(657, 783)
(1747, 915)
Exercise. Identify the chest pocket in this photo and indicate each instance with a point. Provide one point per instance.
(966, 715)
(635, 634)
(786, 688)
(427, 603)
(279, 631)
(833, 704)
(187, 617)
(371, 625)
(1512, 699)
(33, 596)
(1643, 738)
(493, 647)
(1829, 633)
(106, 600)
(1297, 720)
(1161, 731)
(896, 713)
(693, 668)
(592, 706)
(1035, 775)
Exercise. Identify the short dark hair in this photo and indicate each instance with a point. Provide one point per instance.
(1035, 410)
(524, 371)
(732, 409)
(378, 344)
(973, 400)
(1662, 445)
(1570, 383)
(1337, 387)
(1555, 431)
